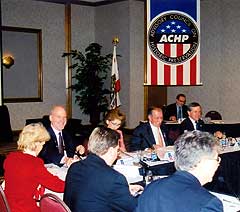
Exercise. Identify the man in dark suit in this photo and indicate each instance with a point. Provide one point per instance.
(193, 121)
(92, 185)
(151, 134)
(60, 149)
(196, 160)
(178, 110)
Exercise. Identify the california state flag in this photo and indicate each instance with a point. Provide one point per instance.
(115, 82)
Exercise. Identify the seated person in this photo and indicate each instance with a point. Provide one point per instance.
(151, 134)
(113, 120)
(178, 110)
(60, 149)
(196, 160)
(92, 185)
(193, 121)
(24, 171)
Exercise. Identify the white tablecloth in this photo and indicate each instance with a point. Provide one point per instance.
(61, 172)
(230, 203)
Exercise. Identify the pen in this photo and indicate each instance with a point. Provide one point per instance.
(231, 202)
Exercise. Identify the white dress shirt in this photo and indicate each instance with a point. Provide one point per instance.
(56, 132)
(194, 123)
(155, 131)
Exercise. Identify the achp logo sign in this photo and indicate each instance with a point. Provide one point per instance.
(173, 37)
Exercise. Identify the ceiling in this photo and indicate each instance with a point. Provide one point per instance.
(83, 2)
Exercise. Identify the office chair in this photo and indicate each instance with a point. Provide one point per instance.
(51, 202)
(214, 115)
(5, 125)
(4, 207)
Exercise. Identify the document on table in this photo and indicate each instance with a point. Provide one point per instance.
(130, 172)
(230, 203)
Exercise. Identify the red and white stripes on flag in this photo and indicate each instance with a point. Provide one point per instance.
(160, 73)
(115, 82)
(173, 42)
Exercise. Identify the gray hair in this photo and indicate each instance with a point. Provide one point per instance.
(101, 139)
(191, 147)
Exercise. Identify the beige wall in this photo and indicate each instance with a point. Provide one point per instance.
(49, 18)
(220, 46)
(219, 53)
(83, 25)
(125, 20)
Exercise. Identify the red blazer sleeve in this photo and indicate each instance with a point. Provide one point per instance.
(47, 179)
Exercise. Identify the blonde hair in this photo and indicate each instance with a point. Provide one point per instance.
(31, 134)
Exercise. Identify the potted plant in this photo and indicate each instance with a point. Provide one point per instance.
(90, 72)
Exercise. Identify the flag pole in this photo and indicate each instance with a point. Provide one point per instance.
(115, 81)
(115, 40)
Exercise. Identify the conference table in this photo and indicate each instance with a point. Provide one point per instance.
(230, 128)
(226, 179)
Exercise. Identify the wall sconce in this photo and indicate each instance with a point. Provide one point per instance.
(8, 61)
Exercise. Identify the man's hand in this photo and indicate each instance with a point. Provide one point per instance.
(135, 189)
(173, 118)
(80, 149)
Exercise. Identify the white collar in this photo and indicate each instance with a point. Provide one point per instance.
(56, 131)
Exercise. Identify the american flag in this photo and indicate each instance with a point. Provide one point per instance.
(184, 72)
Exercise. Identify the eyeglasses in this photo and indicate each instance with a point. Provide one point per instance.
(115, 124)
(218, 159)
(182, 101)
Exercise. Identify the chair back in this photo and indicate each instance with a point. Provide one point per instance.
(6, 133)
(214, 115)
(4, 207)
(51, 202)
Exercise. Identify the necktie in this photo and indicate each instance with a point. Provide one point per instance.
(160, 141)
(60, 144)
(179, 113)
(197, 125)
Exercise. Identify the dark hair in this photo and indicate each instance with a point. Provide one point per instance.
(150, 110)
(193, 104)
(115, 114)
(179, 95)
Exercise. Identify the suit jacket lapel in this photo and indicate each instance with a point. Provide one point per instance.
(53, 136)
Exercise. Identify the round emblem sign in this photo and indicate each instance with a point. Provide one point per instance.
(173, 37)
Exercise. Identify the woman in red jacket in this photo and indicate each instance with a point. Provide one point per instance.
(24, 172)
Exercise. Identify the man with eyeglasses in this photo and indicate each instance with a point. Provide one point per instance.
(178, 110)
(196, 161)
